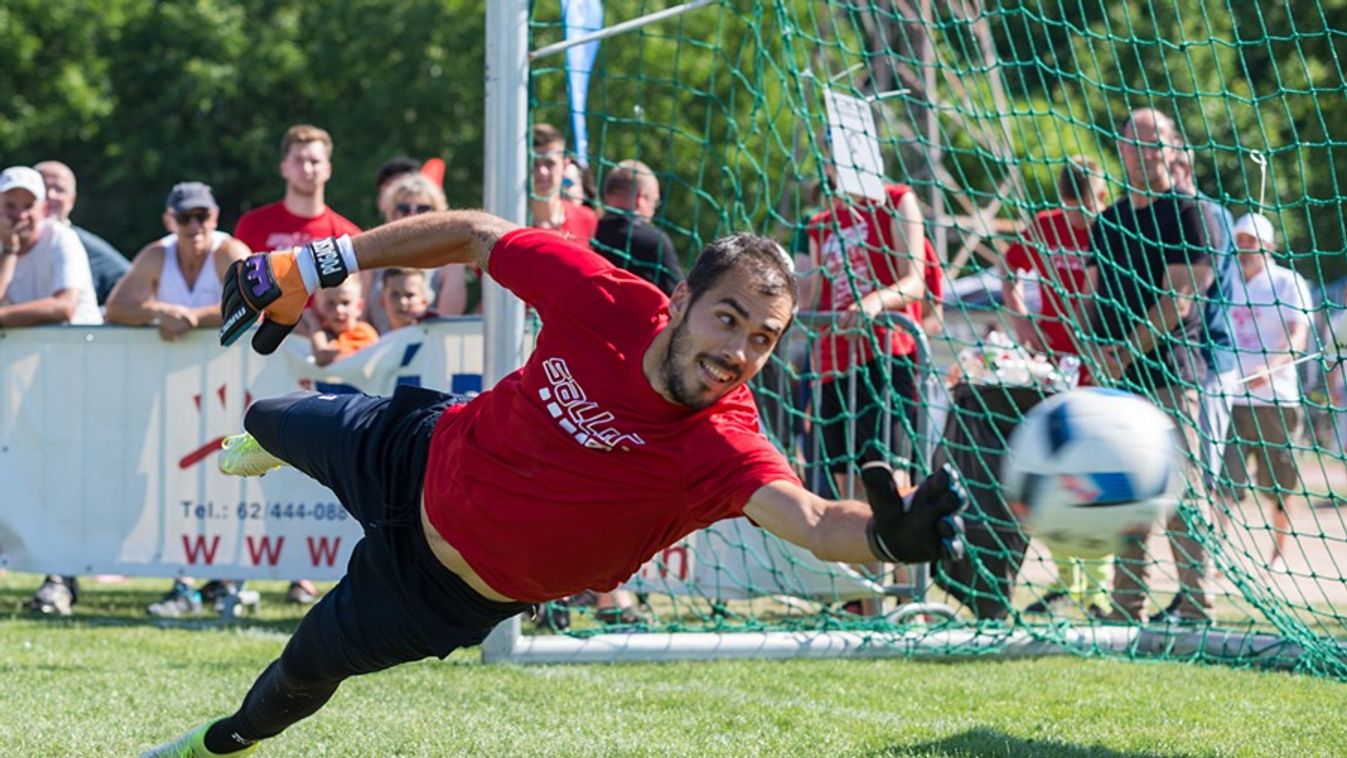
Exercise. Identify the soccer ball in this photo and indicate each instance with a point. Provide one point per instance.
(1089, 467)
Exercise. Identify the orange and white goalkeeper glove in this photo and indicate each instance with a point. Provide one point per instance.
(277, 286)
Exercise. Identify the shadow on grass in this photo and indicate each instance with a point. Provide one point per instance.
(991, 742)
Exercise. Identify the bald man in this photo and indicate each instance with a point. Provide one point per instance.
(106, 263)
(625, 235)
(1153, 258)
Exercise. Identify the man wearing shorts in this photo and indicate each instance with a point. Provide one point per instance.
(631, 413)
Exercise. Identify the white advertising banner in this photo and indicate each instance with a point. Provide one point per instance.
(109, 439)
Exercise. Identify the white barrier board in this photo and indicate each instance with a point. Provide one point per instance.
(109, 440)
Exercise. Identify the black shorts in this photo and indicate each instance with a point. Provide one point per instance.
(397, 602)
(836, 413)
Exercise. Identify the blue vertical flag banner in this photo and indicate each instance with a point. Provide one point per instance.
(581, 17)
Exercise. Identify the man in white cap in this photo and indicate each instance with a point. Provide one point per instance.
(1270, 311)
(44, 279)
(44, 271)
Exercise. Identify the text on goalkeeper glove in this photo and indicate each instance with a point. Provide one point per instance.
(276, 285)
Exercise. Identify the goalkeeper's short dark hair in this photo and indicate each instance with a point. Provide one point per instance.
(762, 258)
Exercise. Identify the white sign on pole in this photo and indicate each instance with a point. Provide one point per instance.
(855, 145)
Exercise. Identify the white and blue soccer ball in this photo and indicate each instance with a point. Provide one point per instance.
(1088, 467)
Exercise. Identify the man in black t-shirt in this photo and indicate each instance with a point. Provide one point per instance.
(1152, 257)
(625, 235)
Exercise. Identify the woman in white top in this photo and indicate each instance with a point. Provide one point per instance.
(175, 281)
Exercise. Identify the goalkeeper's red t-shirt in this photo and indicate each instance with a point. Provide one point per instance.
(572, 472)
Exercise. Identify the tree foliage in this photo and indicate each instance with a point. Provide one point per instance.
(137, 95)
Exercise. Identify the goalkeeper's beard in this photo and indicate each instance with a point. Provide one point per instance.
(678, 363)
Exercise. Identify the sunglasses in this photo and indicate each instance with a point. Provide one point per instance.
(410, 209)
(188, 217)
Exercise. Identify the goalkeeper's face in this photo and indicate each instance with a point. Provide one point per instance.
(721, 339)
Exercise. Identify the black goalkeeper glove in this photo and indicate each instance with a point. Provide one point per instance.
(923, 527)
(278, 286)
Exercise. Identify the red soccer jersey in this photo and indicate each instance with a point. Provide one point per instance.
(855, 242)
(572, 472)
(272, 227)
(1058, 253)
(581, 223)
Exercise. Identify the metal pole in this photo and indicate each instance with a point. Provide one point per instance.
(505, 194)
(934, 153)
(621, 28)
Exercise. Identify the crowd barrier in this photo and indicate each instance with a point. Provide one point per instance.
(109, 439)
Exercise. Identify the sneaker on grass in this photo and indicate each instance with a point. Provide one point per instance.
(182, 600)
(54, 598)
(192, 745)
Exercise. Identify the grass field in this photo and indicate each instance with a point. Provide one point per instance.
(111, 682)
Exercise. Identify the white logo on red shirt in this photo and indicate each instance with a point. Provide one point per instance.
(284, 240)
(846, 249)
(576, 414)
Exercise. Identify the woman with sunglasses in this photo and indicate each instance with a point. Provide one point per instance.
(412, 195)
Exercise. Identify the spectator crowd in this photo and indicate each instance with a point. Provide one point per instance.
(1159, 291)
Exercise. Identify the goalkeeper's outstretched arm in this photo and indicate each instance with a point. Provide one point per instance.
(278, 284)
(921, 527)
(430, 240)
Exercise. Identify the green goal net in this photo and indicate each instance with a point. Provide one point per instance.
(995, 117)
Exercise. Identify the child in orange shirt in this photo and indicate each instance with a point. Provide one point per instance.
(342, 331)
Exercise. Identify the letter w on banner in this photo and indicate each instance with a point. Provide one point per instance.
(581, 17)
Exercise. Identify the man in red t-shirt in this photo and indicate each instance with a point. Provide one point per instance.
(1056, 248)
(549, 208)
(302, 216)
(872, 257)
(629, 427)
(298, 219)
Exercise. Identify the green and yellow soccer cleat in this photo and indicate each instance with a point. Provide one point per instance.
(241, 455)
(192, 745)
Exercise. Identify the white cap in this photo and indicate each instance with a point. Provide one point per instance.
(1257, 226)
(22, 177)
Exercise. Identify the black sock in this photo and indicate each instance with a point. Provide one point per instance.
(223, 737)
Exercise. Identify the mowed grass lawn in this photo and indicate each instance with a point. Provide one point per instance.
(110, 682)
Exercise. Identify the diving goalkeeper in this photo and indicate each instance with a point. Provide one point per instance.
(628, 428)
